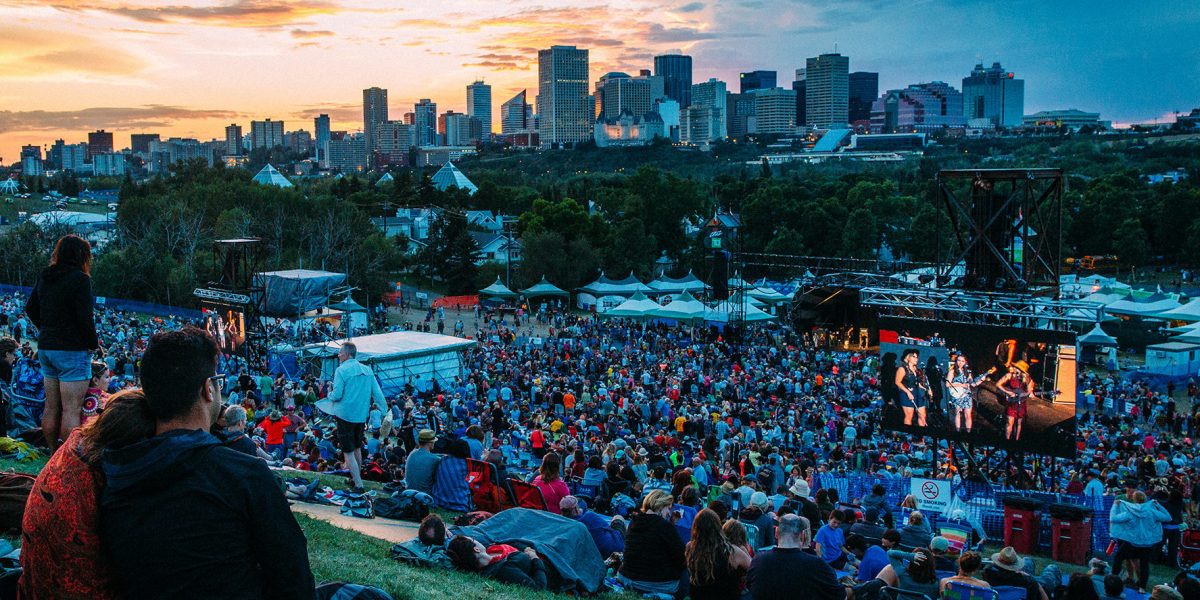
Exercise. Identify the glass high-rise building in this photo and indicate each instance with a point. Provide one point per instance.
(994, 94)
(375, 111)
(919, 108)
(827, 91)
(479, 106)
(266, 134)
(757, 80)
(233, 139)
(864, 89)
(676, 72)
(563, 104)
(425, 119)
(514, 115)
(321, 139)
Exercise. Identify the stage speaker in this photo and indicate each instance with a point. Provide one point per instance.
(720, 271)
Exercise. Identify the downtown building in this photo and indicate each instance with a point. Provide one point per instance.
(99, 142)
(827, 91)
(676, 73)
(918, 108)
(756, 80)
(321, 140)
(774, 112)
(479, 109)
(455, 129)
(563, 105)
(347, 152)
(864, 90)
(394, 140)
(618, 93)
(517, 123)
(994, 95)
(266, 134)
(375, 111)
(233, 139)
(425, 122)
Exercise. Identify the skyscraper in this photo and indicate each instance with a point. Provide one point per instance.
(99, 142)
(321, 140)
(757, 80)
(800, 86)
(514, 115)
(266, 134)
(864, 90)
(619, 92)
(919, 108)
(827, 91)
(676, 72)
(375, 111)
(479, 106)
(994, 94)
(233, 139)
(455, 128)
(704, 120)
(739, 110)
(563, 103)
(140, 142)
(395, 138)
(775, 111)
(425, 119)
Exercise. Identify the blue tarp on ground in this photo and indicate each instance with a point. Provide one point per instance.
(564, 542)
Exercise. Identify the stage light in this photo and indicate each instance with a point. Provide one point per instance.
(943, 280)
(1001, 283)
(925, 278)
(983, 282)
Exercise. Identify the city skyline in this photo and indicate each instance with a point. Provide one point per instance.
(69, 67)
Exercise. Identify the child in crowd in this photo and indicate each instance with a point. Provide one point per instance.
(97, 392)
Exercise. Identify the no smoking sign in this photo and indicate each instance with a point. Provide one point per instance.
(932, 495)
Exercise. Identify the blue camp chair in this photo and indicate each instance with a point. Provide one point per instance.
(957, 590)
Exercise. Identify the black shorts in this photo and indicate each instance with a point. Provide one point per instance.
(350, 436)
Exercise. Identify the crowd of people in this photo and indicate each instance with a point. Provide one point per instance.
(701, 453)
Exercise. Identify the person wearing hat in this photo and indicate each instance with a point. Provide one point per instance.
(1006, 570)
(355, 390)
(802, 505)
(607, 538)
(758, 513)
(1017, 386)
(422, 463)
(274, 426)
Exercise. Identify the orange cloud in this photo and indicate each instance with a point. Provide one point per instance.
(111, 118)
(27, 53)
(236, 13)
(311, 33)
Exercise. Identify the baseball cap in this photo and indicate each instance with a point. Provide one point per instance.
(939, 544)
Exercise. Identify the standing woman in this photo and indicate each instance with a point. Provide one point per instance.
(961, 385)
(61, 307)
(914, 390)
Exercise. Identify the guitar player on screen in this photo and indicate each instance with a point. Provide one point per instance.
(1018, 387)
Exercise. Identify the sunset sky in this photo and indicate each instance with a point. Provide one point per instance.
(71, 66)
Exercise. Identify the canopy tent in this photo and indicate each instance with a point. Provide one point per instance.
(1189, 328)
(498, 290)
(636, 307)
(605, 292)
(767, 295)
(1189, 312)
(684, 307)
(1074, 286)
(737, 283)
(722, 314)
(543, 288)
(671, 285)
(1096, 337)
(1147, 307)
(1107, 296)
(737, 299)
(296, 291)
(400, 357)
(787, 288)
(356, 312)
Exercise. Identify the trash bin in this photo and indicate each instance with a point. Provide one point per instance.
(1022, 523)
(1071, 527)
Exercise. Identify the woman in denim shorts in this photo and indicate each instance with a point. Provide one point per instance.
(61, 307)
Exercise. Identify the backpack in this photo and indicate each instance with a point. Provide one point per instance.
(402, 506)
(28, 381)
(765, 477)
(340, 590)
(358, 505)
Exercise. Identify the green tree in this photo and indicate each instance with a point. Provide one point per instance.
(451, 254)
(1129, 241)
(860, 236)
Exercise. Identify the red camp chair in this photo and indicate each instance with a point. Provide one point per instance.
(485, 492)
(527, 495)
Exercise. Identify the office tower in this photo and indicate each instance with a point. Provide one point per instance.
(395, 139)
(299, 141)
(712, 94)
(479, 107)
(455, 128)
(139, 143)
(266, 134)
(410, 118)
(800, 86)
(827, 92)
(775, 111)
(425, 119)
(99, 142)
(919, 108)
(74, 158)
(621, 93)
(109, 164)
(233, 140)
(994, 94)
(514, 115)
(347, 152)
(864, 90)
(757, 80)
(563, 106)
(31, 151)
(739, 114)
(676, 72)
(54, 156)
(321, 141)
(375, 111)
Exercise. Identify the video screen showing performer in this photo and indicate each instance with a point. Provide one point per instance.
(999, 386)
(227, 326)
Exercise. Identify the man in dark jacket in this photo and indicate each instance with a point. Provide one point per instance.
(182, 515)
(608, 540)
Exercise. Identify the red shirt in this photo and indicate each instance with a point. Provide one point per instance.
(536, 439)
(274, 430)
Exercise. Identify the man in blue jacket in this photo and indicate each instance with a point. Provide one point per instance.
(607, 538)
(355, 391)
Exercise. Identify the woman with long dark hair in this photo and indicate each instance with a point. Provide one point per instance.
(913, 387)
(61, 307)
(549, 481)
(713, 563)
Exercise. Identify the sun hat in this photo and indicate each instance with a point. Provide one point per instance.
(1008, 559)
(426, 436)
(800, 488)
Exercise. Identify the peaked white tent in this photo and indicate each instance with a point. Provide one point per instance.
(1147, 307)
(498, 290)
(449, 176)
(1189, 312)
(1096, 337)
(670, 285)
(684, 307)
(767, 295)
(722, 313)
(270, 176)
(636, 307)
(606, 292)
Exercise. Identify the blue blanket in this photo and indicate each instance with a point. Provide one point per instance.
(564, 543)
